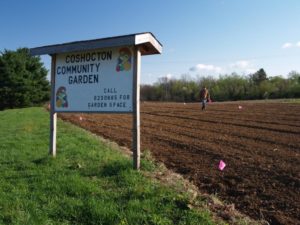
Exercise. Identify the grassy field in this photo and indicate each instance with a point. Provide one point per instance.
(87, 183)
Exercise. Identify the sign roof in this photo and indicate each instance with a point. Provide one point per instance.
(146, 41)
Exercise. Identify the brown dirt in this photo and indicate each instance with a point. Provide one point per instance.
(260, 144)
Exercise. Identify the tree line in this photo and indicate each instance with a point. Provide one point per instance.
(229, 87)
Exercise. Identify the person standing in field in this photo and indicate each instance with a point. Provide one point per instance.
(204, 97)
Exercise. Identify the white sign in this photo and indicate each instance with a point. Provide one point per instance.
(94, 81)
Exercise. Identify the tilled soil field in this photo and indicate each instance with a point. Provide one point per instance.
(259, 142)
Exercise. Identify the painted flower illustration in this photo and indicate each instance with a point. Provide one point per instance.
(61, 98)
(124, 60)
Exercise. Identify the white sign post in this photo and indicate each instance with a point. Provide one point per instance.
(98, 76)
(53, 115)
(136, 111)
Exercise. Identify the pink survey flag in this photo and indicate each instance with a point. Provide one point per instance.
(222, 165)
(80, 118)
(240, 107)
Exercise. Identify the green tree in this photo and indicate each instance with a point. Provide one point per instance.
(280, 87)
(266, 89)
(294, 84)
(259, 76)
(22, 80)
(230, 87)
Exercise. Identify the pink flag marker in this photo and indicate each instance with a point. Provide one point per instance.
(80, 118)
(240, 107)
(222, 165)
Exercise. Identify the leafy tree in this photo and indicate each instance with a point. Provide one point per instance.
(294, 75)
(259, 76)
(294, 84)
(22, 80)
(266, 89)
(229, 87)
(148, 93)
(280, 87)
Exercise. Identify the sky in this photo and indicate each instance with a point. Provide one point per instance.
(199, 37)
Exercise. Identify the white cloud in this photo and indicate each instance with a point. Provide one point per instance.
(206, 68)
(241, 67)
(298, 44)
(287, 45)
(166, 77)
(242, 64)
(250, 71)
(169, 76)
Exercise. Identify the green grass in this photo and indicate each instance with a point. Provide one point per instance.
(280, 100)
(291, 100)
(87, 183)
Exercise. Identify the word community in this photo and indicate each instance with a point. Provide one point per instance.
(75, 69)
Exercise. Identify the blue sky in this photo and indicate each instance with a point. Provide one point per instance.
(199, 37)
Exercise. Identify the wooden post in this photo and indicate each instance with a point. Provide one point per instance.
(136, 109)
(53, 116)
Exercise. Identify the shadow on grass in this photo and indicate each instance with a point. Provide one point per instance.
(42, 161)
(115, 168)
(109, 169)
